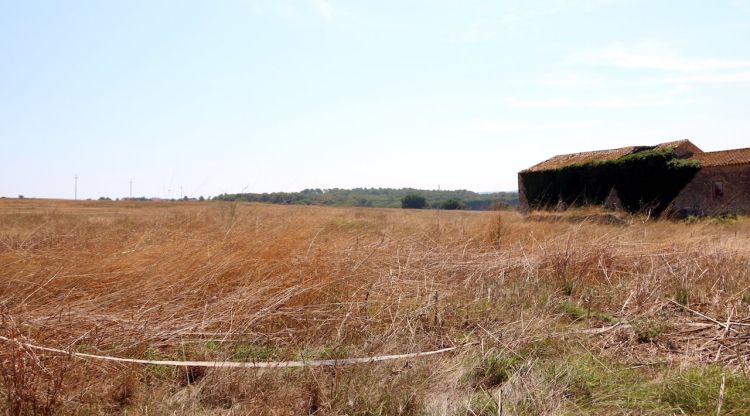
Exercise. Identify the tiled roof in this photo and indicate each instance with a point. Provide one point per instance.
(560, 161)
(723, 158)
(676, 143)
(583, 157)
(684, 148)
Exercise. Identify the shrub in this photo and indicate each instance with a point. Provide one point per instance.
(413, 201)
(452, 204)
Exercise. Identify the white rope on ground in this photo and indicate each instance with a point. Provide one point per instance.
(235, 364)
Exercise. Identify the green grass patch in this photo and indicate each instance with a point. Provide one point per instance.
(160, 371)
(696, 391)
(574, 311)
(213, 346)
(326, 352)
(648, 330)
(682, 296)
(253, 352)
(595, 386)
(591, 386)
(482, 403)
(492, 369)
(568, 287)
(577, 312)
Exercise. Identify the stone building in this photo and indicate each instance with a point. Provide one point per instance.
(674, 179)
(721, 186)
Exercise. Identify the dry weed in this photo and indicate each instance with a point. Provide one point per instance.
(228, 281)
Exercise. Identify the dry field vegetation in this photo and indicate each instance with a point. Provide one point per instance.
(584, 313)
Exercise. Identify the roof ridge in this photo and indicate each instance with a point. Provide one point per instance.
(674, 142)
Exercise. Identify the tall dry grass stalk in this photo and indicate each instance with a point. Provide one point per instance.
(552, 301)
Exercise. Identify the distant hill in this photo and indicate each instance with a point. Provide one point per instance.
(379, 198)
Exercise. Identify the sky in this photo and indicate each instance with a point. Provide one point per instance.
(201, 98)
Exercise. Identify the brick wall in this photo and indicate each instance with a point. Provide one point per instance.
(715, 190)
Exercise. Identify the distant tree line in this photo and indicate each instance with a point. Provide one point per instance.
(382, 198)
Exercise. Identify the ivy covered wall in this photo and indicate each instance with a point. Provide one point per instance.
(644, 181)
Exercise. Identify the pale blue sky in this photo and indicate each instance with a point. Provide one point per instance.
(282, 95)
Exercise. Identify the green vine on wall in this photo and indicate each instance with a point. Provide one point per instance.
(644, 181)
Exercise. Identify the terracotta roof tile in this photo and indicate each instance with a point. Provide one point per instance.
(723, 158)
(583, 157)
(676, 143)
(684, 148)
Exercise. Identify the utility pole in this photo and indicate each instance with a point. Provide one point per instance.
(131, 189)
(75, 191)
(181, 193)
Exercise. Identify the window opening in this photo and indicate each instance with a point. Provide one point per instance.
(718, 190)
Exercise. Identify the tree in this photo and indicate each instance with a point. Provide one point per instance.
(452, 204)
(413, 201)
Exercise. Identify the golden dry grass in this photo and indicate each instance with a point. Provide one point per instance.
(572, 314)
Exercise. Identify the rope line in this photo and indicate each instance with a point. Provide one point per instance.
(235, 364)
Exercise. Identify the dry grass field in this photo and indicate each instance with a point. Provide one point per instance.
(582, 313)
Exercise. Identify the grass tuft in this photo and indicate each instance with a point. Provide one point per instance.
(492, 369)
(648, 330)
